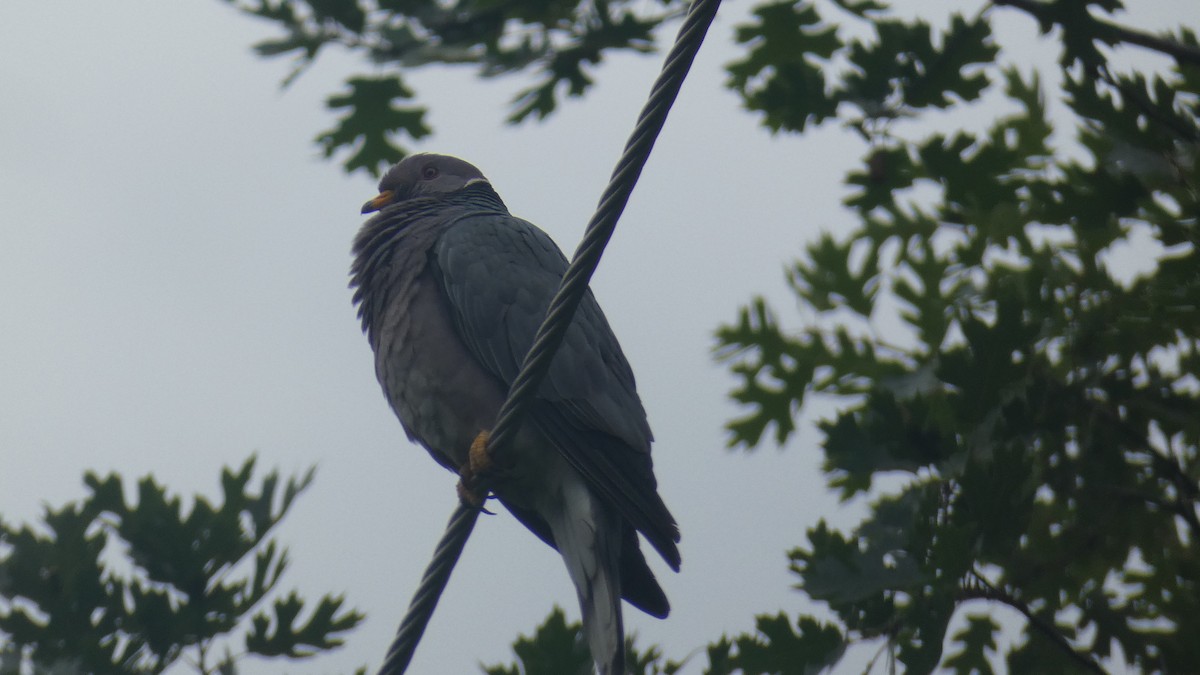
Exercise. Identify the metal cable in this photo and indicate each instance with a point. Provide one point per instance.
(558, 318)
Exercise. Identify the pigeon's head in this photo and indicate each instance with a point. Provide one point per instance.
(423, 175)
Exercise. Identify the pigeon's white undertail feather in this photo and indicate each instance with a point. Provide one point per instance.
(590, 542)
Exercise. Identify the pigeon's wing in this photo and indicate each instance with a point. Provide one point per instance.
(498, 274)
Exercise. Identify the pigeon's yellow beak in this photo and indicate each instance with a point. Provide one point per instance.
(380, 201)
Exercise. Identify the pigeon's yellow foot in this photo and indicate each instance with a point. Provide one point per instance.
(479, 462)
(468, 496)
(479, 459)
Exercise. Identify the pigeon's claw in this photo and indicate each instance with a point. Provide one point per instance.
(479, 463)
(468, 496)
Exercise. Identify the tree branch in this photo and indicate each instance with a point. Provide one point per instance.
(1184, 504)
(1139, 99)
(978, 588)
(1180, 52)
(1180, 506)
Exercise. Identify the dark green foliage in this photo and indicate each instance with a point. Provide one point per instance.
(559, 648)
(792, 41)
(554, 648)
(790, 71)
(107, 586)
(978, 640)
(1045, 412)
(778, 647)
(371, 122)
(558, 41)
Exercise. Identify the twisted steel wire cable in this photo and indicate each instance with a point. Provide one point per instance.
(558, 318)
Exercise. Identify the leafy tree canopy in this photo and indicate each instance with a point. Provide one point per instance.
(1042, 406)
(111, 587)
(557, 41)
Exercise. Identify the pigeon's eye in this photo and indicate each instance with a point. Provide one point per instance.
(429, 173)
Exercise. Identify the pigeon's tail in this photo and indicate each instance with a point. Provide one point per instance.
(589, 538)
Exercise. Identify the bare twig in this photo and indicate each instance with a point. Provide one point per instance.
(1180, 52)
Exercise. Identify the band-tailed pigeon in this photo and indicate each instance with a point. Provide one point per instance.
(451, 288)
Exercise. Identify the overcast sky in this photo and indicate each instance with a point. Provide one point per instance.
(173, 268)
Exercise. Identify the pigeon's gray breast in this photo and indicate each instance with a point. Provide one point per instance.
(437, 389)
